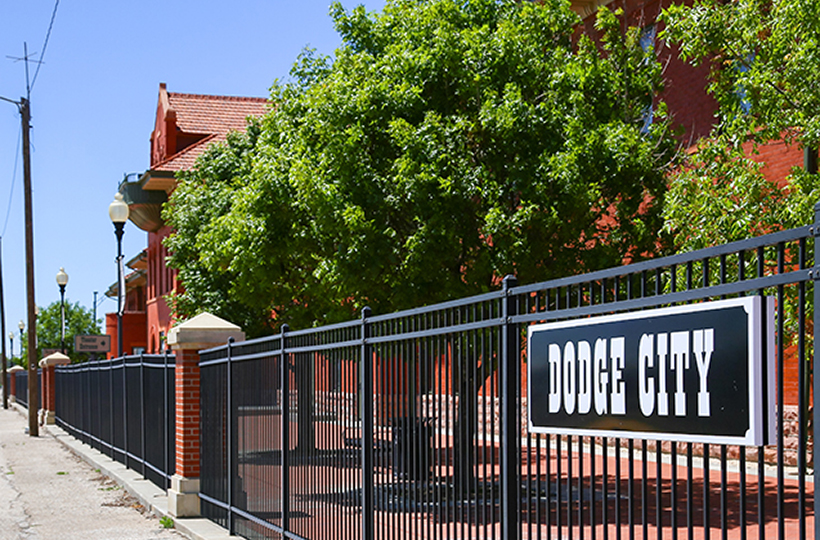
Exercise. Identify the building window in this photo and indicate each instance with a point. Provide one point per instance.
(742, 68)
(647, 41)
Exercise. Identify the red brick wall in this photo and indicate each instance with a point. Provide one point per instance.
(691, 108)
(49, 394)
(187, 413)
(779, 159)
(133, 331)
(163, 139)
(161, 280)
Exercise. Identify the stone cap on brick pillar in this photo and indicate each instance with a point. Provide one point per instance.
(15, 369)
(55, 359)
(202, 332)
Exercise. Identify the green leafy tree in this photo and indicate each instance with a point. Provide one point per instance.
(448, 144)
(79, 320)
(764, 59)
(199, 206)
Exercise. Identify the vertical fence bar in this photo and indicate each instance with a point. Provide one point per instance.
(143, 457)
(802, 399)
(101, 446)
(510, 435)
(229, 430)
(559, 475)
(124, 411)
(165, 469)
(284, 406)
(761, 456)
(780, 365)
(816, 410)
(111, 403)
(366, 367)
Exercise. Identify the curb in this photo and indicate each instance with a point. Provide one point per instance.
(154, 499)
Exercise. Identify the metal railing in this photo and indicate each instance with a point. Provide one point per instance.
(21, 386)
(123, 407)
(413, 424)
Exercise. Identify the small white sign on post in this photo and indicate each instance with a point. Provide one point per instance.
(92, 344)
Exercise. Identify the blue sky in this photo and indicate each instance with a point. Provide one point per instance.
(93, 107)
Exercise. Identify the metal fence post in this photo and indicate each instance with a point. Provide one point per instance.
(165, 437)
(142, 413)
(815, 364)
(229, 418)
(366, 378)
(510, 433)
(100, 408)
(87, 409)
(125, 410)
(111, 404)
(284, 407)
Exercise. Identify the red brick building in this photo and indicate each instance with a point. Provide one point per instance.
(691, 108)
(184, 126)
(186, 123)
(133, 317)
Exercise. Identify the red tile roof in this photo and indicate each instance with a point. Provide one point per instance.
(211, 116)
(185, 159)
(214, 114)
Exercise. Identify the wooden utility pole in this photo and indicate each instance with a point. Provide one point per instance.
(5, 380)
(24, 106)
(33, 387)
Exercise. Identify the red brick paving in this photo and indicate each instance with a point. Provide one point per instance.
(316, 487)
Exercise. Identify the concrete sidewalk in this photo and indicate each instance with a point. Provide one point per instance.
(55, 487)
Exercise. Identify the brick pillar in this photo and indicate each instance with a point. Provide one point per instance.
(187, 339)
(187, 413)
(13, 370)
(48, 392)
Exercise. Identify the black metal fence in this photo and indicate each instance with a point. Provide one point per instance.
(21, 386)
(124, 408)
(413, 424)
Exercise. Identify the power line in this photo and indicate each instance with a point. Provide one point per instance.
(13, 178)
(45, 44)
(28, 93)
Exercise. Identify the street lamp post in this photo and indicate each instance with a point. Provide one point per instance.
(22, 326)
(118, 212)
(11, 344)
(62, 281)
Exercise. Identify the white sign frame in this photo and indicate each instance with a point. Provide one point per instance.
(762, 401)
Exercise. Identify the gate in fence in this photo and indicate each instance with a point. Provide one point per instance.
(415, 424)
(124, 408)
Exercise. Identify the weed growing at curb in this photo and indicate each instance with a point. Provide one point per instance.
(166, 522)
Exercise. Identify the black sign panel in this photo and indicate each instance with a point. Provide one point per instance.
(689, 373)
